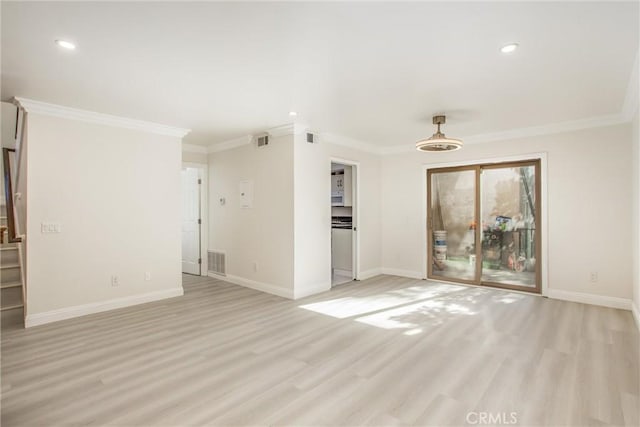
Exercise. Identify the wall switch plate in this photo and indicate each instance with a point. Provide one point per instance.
(115, 281)
(50, 227)
(147, 276)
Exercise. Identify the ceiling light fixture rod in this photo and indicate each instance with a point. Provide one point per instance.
(438, 141)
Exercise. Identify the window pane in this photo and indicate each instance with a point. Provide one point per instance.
(508, 225)
(453, 224)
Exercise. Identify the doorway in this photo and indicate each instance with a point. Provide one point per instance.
(191, 221)
(344, 222)
(484, 225)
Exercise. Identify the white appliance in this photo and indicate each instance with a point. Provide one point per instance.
(341, 187)
(337, 198)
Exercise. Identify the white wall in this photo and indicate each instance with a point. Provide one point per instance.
(589, 209)
(588, 205)
(8, 124)
(312, 223)
(370, 200)
(290, 241)
(313, 212)
(635, 223)
(191, 157)
(116, 194)
(263, 234)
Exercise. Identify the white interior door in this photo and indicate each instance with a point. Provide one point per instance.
(190, 221)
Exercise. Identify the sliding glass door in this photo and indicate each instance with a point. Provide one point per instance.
(452, 236)
(482, 224)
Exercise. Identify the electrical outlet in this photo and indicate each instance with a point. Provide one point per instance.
(147, 276)
(594, 276)
(115, 281)
(255, 266)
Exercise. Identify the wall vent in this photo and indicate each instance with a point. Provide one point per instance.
(262, 140)
(312, 138)
(217, 263)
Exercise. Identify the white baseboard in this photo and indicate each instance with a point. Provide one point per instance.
(258, 286)
(605, 301)
(367, 274)
(636, 313)
(364, 275)
(402, 273)
(342, 272)
(312, 290)
(98, 307)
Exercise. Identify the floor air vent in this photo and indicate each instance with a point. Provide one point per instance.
(217, 263)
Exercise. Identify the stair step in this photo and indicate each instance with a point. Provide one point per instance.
(10, 285)
(11, 307)
(11, 297)
(10, 275)
(6, 267)
(9, 256)
(12, 319)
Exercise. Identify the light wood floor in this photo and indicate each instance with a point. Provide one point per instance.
(386, 351)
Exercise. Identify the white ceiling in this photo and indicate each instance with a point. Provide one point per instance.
(375, 72)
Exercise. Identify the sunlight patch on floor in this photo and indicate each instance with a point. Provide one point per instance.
(355, 306)
(509, 298)
(413, 316)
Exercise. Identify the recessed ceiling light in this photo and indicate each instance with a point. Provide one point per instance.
(293, 113)
(508, 48)
(65, 44)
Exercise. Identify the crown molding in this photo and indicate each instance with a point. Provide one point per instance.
(511, 134)
(274, 132)
(631, 100)
(287, 129)
(230, 144)
(528, 132)
(300, 128)
(44, 108)
(345, 141)
(550, 129)
(191, 148)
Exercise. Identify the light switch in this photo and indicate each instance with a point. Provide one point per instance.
(50, 227)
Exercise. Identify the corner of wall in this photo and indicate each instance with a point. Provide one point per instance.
(635, 217)
(635, 310)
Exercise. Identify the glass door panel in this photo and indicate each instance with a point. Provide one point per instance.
(452, 224)
(508, 213)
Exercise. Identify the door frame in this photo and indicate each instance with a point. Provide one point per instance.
(355, 186)
(543, 265)
(204, 226)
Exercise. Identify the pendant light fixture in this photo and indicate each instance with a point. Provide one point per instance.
(438, 141)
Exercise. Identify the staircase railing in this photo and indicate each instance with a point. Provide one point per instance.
(8, 193)
(15, 189)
